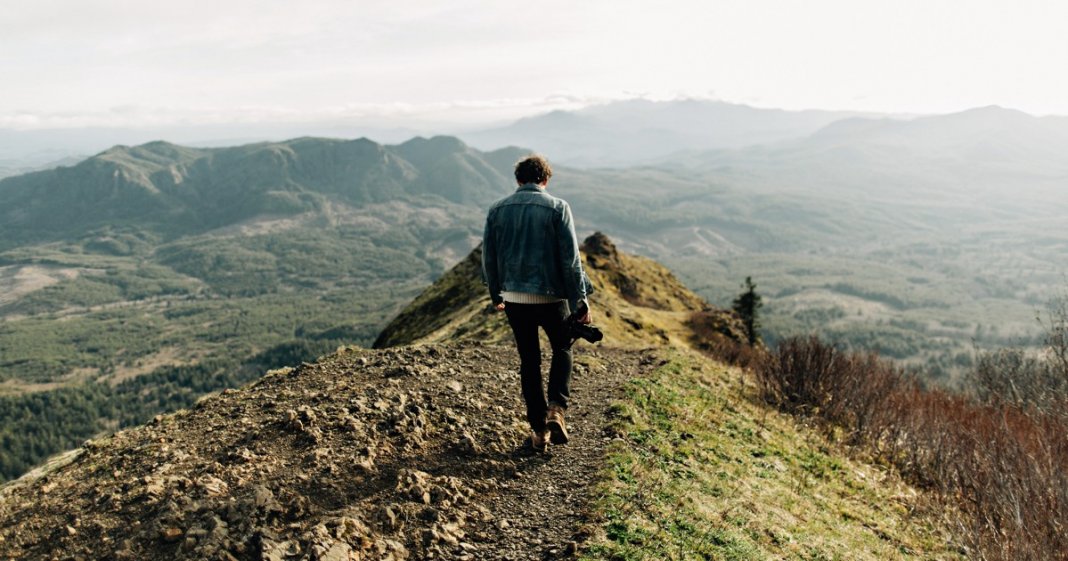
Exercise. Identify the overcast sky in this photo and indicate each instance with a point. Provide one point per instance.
(145, 63)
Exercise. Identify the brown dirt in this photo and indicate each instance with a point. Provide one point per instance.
(410, 453)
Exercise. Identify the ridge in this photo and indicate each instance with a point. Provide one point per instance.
(637, 300)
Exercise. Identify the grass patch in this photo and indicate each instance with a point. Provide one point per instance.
(701, 471)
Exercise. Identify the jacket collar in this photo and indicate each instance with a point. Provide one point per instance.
(529, 187)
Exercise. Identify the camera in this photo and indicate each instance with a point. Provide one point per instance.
(578, 330)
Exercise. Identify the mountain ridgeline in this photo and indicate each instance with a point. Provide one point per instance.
(144, 277)
(173, 190)
(639, 132)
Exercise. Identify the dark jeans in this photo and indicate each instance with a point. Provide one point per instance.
(525, 320)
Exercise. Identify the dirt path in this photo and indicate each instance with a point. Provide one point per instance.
(410, 453)
(540, 503)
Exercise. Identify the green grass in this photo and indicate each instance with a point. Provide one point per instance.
(702, 472)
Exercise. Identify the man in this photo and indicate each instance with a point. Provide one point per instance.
(531, 264)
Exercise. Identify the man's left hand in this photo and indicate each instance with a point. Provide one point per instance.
(588, 318)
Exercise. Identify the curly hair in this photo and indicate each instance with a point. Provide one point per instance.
(533, 169)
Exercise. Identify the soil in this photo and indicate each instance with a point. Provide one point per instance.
(410, 453)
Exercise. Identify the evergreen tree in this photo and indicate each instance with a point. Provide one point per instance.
(747, 305)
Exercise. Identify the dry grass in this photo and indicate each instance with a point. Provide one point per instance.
(638, 303)
(703, 470)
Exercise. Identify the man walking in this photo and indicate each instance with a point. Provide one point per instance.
(531, 264)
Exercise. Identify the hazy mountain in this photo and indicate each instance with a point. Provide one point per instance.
(36, 162)
(969, 164)
(996, 131)
(639, 131)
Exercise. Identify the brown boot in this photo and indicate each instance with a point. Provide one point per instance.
(539, 441)
(554, 421)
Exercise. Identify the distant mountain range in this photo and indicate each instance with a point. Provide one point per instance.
(969, 164)
(613, 134)
(637, 132)
(17, 166)
(142, 277)
(617, 134)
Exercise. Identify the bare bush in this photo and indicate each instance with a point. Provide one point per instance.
(806, 375)
(1016, 377)
(1025, 379)
(1056, 327)
(1003, 464)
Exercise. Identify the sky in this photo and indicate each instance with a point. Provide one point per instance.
(132, 63)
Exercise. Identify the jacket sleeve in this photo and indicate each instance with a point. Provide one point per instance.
(489, 261)
(570, 260)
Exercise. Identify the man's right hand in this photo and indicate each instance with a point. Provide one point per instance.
(500, 307)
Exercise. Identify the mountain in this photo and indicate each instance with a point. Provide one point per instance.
(627, 133)
(989, 148)
(174, 190)
(1008, 129)
(37, 147)
(19, 166)
(914, 237)
(417, 452)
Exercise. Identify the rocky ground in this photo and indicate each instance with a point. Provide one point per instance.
(410, 453)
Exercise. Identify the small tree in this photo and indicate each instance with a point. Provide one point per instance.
(747, 305)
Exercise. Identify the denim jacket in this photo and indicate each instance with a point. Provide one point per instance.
(529, 245)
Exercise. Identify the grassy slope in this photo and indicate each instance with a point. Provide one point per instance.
(702, 471)
(637, 303)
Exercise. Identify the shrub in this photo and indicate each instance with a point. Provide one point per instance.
(1002, 464)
